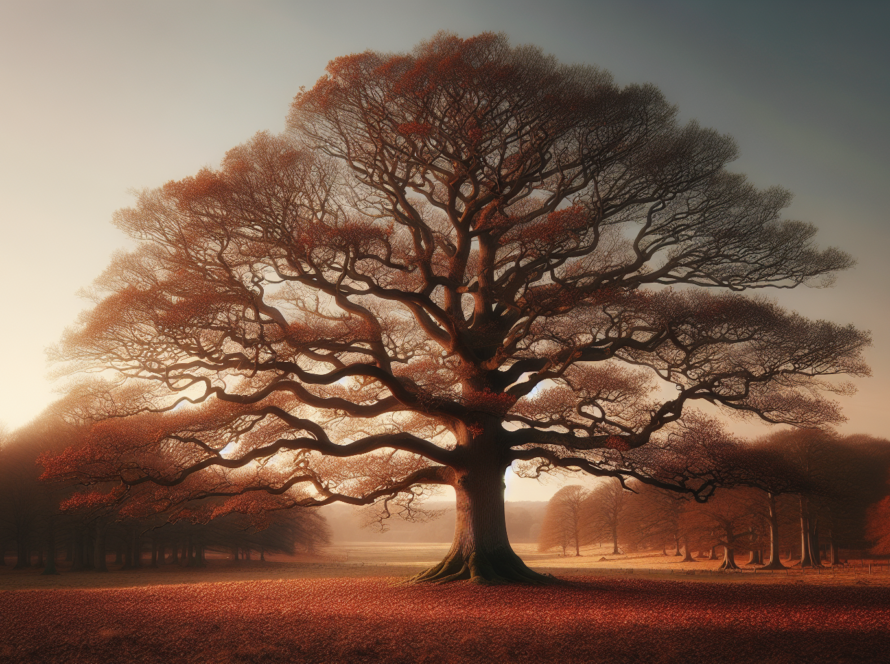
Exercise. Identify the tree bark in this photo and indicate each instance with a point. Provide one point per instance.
(815, 549)
(21, 553)
(806, 559)
(78, 563)
(688, 557)
(834, 558)
(89, 547)
(728, 559)
(100, 562)
(136, 548)
(775, 561)
(481, 551)
(50, 568)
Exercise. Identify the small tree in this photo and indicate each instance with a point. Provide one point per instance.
(659, 518)
(727, 520)
(567, 521)
(607, 504)
(456, 260)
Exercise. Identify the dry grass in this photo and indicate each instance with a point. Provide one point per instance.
(402, 560)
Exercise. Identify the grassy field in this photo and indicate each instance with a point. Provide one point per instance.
(350, 604)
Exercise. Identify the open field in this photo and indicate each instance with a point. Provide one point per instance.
(350, 605)
(402, 560)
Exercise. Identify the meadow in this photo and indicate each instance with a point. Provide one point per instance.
(350, 604)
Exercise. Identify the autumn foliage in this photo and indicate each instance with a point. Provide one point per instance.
(455, 260)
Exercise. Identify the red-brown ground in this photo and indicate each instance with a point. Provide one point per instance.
(378, 620)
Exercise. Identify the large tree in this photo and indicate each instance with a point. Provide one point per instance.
(455, 260)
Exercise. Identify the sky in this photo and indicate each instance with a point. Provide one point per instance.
(98, 99)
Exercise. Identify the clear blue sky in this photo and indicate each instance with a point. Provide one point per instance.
(99, 98)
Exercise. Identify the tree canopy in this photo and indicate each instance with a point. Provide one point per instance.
(454, 260)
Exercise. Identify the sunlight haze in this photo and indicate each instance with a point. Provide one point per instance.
(103, 98)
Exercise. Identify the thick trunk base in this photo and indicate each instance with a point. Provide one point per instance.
(490, 568)
(775, 564)
(481, 551)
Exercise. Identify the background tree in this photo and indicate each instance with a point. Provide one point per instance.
(835, 480)
(607, 504)
(878, 529)
(727, 521)
(656, 518)
(567, 521)
(457, 260)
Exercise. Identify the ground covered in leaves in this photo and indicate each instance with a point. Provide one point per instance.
(379, 619)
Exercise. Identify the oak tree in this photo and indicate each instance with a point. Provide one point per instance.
(567, 521)
(455, 260)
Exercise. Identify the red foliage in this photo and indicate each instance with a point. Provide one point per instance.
(879, 526)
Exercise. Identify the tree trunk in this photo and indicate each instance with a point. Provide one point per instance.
(806, 559)
(21, 553)
(136, 548)
(77, 563)
(815, 549)
(100, 563)
(688, 557)
(89, 545)
(775, 561)
(50, 568)
(728, 559)
(834, 559)
(481, 551)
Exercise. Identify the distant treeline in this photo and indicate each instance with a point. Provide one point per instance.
(350, 524)
(819, 498)
(35, 531)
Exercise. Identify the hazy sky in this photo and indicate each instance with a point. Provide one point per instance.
(99, 98)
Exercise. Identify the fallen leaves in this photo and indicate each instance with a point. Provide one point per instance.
(374, 619)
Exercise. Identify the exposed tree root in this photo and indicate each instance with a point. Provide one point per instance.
(498, 567)
(773, 565)
(728, 564)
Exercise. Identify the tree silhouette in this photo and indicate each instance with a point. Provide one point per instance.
(567, 521)
(607, 505)
(456, 260)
